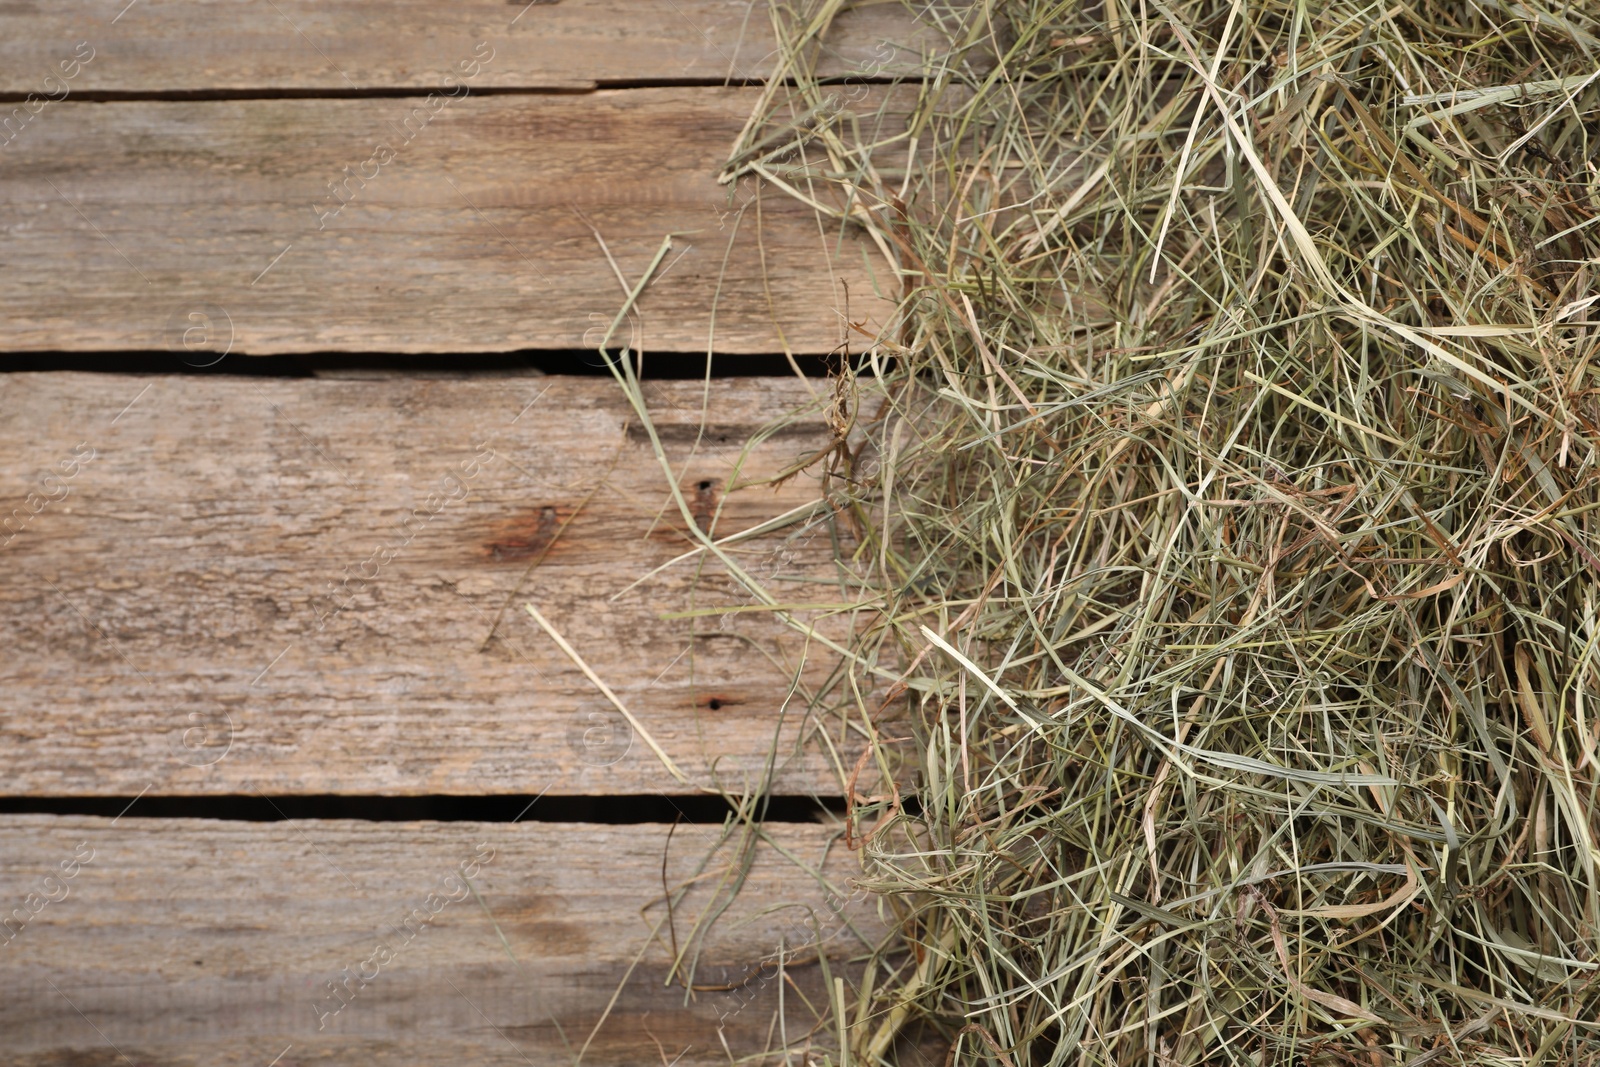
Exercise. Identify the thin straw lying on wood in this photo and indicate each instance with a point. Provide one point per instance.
(605, 690)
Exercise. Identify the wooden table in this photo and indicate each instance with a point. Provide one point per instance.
(235, 597)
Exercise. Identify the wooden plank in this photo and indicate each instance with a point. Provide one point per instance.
(195, 941)
(229, 585)
(347, 45)
(399, 225)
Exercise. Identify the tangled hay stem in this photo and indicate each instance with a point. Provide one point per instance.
(1228, 479)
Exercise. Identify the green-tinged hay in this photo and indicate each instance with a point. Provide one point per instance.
(1229, 487)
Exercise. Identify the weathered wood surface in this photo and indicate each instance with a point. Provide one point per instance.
(301, 45)
(404, 225)
(199, 942)
(289, 586)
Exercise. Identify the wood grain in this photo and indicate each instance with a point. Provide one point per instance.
(346, 45)
(410, 225)
(290, 586)
(194, 941)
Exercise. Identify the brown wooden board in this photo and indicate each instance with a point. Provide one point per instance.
(355, 45)
(417, 224)
(223, 585)
(164, 942)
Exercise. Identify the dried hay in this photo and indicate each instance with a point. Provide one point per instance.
(1228, 490)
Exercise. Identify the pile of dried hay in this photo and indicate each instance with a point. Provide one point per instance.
(1229, 496)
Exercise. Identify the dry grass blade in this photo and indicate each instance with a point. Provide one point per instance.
(1231, 511)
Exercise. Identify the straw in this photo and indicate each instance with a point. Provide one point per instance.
(605, 690)
(1224, 498)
